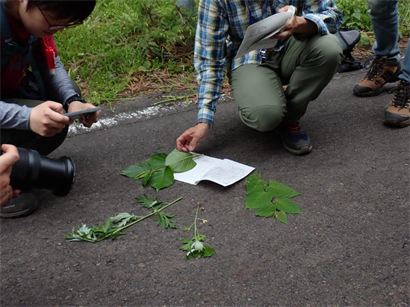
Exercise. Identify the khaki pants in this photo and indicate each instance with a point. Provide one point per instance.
(305, 67)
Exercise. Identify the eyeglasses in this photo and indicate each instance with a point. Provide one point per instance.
(59, 27)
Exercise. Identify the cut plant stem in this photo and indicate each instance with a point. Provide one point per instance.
(142, 218)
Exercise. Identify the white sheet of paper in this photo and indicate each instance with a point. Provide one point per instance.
(224, 172)
(257, 35)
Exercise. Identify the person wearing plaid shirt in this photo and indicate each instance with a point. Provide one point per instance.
(304, 61)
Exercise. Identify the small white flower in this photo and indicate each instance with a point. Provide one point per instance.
(197, 245)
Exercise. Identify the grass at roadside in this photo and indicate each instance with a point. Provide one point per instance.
(128, 47)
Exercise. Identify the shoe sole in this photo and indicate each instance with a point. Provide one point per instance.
(302, 151)
(20, 213)
(375, 92)
(396, 123)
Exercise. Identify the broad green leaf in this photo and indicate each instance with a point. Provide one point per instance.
(258, 197)
(162, 179)
(287, 205)
(208, 251)
(136, 171)
(180, 161)
(146, 178)
(281, 216)
(254, 181)
(266, 210)
(281, 190)
(157, 161)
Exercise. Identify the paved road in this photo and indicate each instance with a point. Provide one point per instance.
(350, 248)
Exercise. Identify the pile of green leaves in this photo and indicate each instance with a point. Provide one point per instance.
(158, 171)
(270, 200)
(113, 226)
(195, 247)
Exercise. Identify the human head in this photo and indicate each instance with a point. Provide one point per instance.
(37, 15)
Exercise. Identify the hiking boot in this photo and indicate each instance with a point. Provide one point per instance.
(380, 73)
(294, 138)
(398, 112)
(20, 205)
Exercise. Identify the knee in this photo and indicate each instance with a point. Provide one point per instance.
(331, 51)
(263, 118)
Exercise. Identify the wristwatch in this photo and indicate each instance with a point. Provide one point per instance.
(73, 98)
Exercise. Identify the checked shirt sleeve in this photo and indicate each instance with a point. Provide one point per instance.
(324, 14)
(210, 58)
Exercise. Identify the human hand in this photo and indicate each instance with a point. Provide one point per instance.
(189, 140)
(46, 119)
(7, 159)
(291, 26)
(87, 120)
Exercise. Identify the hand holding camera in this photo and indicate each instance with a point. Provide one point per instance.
(7, 159)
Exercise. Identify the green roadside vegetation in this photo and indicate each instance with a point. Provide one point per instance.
(129, 47)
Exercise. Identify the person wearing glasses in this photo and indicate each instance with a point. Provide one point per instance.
(35, 88)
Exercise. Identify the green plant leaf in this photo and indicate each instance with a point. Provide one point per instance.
(254, 181)
(147, 177)
(136, 171)
(162, 178)
(208, 251)
(180, 161)
(287, 205)
(258, 198)
(157, 161)
(148, 202)
(122, 219)
(266, 210)
(165, 219)
(281, 217)
(280, 190)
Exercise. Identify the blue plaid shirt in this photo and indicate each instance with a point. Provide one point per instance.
(220, 30)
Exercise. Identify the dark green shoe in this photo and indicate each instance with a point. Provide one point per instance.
(20, 205)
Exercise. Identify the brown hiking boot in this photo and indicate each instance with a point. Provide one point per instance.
(380, 73)
(398, 112)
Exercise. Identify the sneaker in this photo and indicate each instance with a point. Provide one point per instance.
(380, 73)
(398, 112)
(294, 138)
(20, 205)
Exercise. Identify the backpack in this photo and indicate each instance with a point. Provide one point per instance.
(8, 47)
(348, 38)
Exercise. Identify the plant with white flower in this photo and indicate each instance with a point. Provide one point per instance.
(195, 247)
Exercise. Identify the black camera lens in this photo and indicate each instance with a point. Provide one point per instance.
(35, 171)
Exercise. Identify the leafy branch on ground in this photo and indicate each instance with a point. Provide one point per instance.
(270, 200)
(195, 247)
(114, 226)
(158, 171)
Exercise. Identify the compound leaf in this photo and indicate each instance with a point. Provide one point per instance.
(287, 205)
(165, 219)
(180, 162)
(148, 202)
(162, 178)
(258, 197)
(281, 190)
(281, 217)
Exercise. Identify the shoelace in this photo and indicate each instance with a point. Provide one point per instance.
(375, 68)
(402, 95)
(293, 127)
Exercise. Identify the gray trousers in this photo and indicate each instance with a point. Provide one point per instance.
(306, 67)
